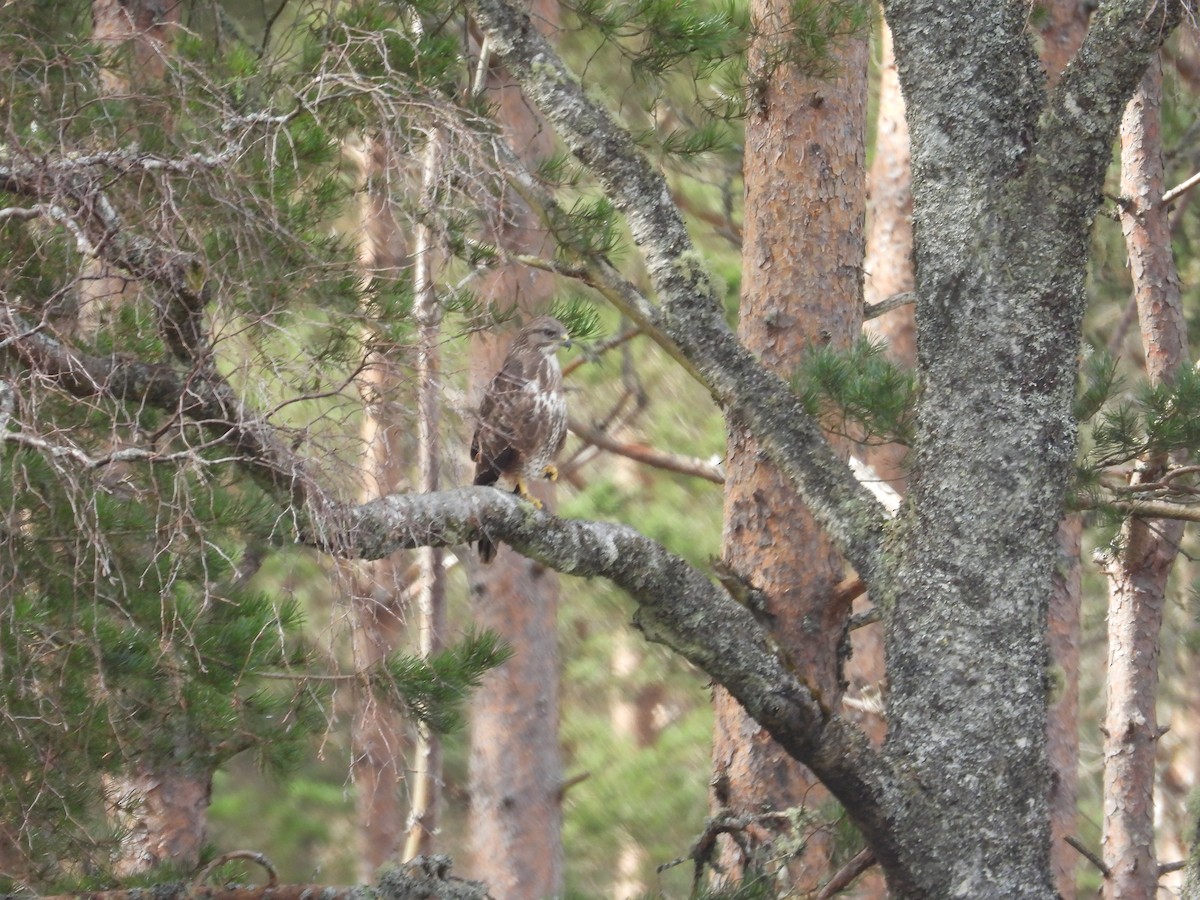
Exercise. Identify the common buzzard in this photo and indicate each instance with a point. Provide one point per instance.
(523, 416)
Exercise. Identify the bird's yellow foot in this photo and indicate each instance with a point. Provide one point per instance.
(550, 472)
(523, 492)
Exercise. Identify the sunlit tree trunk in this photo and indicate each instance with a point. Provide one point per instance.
(516, 765)
(380, 739)
(425, 811)
(1139, 567)
(802, 256)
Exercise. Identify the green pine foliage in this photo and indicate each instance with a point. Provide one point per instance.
(1153, 419)
(859, 392)
(127, 635)
(133, 627)
(432, 691)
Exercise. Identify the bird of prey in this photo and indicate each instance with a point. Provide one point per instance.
(523, 416)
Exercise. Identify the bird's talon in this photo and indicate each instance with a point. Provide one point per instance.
(523, 492)
(550, 472)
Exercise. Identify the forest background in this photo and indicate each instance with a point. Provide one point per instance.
(322, 182)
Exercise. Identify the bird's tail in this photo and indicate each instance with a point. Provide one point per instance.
(487, 550)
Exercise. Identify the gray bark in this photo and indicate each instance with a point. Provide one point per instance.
(1004, 189)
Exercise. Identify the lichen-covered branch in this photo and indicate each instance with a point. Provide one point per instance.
(689, 313)
(679, 606)
(202, 397)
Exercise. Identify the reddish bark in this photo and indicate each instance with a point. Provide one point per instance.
(145, 28)
(1139, 569)
(1062, 727)
(802, 256)
(1062, 32)
(163, 814)
(516, 766)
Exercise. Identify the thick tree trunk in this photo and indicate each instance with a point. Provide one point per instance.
(889, 272)
(163, 814)
(804, 171)
(998, 330)
(516, 766)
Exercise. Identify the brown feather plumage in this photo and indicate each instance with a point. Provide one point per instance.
(523, 415)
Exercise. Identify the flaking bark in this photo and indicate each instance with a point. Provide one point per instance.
(802, 249)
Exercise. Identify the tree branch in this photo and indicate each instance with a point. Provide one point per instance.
(678, 606)
(204, 398)
(659, 459)
(1080, 119)
(690, 314)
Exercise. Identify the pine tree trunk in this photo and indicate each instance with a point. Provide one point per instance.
(516, 766)
(1139, 567)
(802, 251)
(380, 738)
(162, 812)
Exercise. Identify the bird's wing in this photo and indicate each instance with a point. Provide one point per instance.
(500, 439)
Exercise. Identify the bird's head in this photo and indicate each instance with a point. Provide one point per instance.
(545, 333)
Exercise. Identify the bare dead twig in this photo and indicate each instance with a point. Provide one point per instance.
(887, 304)
(1180, 188)
(659, 459)
(595, 351)
(700, 854)
(844, 877)
(1087, 854)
